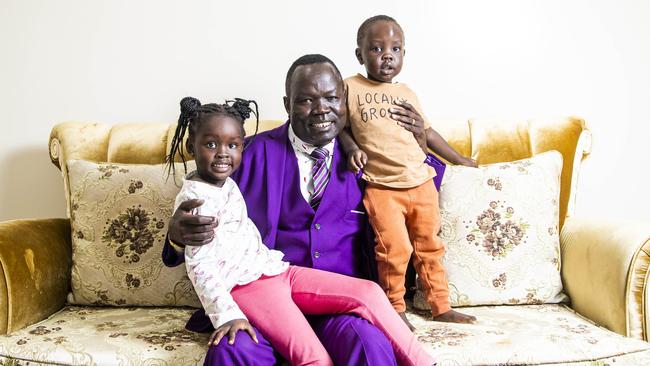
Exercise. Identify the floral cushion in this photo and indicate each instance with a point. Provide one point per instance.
(503, 335)
(119, 215)
(107, 336)
(549, 334)
(499, 224)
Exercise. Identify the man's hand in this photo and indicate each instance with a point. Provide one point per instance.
(188, 229)
(411, 120)
(231, 328)
(357, 159)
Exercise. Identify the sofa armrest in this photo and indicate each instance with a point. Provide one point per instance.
(35, 264)
(605, 273)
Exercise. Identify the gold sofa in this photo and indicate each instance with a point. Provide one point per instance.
(604, 270)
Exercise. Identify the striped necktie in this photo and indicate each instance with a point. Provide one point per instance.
(319, 174)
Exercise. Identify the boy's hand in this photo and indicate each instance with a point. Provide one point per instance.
(468, 162)
(231, 328)
(357, 159)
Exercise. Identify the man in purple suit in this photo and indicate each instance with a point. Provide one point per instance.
(276, 182)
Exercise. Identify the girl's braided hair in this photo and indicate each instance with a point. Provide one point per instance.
(193, 113)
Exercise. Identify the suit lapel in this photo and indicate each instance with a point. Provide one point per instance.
(275, 155)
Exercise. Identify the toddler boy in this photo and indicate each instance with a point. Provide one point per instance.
(400, 197)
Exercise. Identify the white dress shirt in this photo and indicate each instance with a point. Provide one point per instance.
(306, 162)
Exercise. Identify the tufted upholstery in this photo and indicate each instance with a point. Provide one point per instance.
(486, 141)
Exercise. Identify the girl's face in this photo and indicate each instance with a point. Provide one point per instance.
(217, 146)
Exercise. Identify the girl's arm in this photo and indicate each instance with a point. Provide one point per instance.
(438, 145)
(224, 313)
(202, 269)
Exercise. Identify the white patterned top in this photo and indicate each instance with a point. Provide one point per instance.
(236, 255)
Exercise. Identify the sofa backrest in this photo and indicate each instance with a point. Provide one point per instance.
(487, 141)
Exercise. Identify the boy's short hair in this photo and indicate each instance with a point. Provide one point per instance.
(308, 60)
(363, 28)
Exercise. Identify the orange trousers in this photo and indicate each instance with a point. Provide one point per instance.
(406, 222)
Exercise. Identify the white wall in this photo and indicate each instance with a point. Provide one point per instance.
(125, 61)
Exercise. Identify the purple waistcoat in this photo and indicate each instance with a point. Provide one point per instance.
(335, 238)
(333, 231)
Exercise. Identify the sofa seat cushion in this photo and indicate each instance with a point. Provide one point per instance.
(503, 335)
(526, 334)
(108, 336)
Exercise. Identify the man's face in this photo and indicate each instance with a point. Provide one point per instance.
(382, 51)
(316, 103)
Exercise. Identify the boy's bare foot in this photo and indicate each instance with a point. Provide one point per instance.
(453, 316)
(408, 323)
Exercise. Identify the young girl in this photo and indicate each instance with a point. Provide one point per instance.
(238, 279)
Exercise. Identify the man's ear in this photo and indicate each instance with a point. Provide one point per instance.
(357, 53)
(286, 104)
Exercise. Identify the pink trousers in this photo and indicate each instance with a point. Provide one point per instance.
(275, 306)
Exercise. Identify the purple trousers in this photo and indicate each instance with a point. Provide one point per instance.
(348, 339)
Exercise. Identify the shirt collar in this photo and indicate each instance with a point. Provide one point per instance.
(304, 147)
(374, 82)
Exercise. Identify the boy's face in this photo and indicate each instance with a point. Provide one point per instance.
(382, 51)
(217, 146)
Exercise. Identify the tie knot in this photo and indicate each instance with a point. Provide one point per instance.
(319, 154)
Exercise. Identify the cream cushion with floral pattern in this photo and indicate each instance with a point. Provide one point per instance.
(119, 216)
(499, 223)
(548, 334)
(128, 336)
